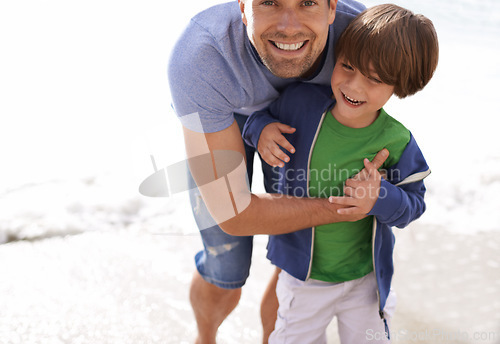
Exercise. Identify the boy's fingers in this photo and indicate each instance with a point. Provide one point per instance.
(284, 128)
(380, 158)
(285, 144)
(270, 159)
(370, 168)
(279, 154)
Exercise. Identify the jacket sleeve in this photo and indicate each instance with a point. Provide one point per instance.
(257, 121)
(401, 198)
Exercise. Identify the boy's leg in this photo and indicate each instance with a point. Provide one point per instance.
(358, 316)
(305, 310)
(269, 307)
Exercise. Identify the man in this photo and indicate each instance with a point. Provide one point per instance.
(231, 60)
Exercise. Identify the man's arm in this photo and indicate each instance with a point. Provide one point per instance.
(260, 214)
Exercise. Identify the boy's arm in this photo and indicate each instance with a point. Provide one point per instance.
(399, 205)
(264, 132)
(260, 214)
(256, 123)
(393, 204)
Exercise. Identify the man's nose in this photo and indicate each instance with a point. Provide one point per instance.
(289, 22)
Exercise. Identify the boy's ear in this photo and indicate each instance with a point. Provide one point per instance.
(242, 9)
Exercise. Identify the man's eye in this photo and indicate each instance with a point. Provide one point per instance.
(309, 3)
(268, 3)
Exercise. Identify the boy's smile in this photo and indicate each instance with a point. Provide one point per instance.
(359, 97)
(352, 101)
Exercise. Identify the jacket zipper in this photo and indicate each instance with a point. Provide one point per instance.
(313, 228)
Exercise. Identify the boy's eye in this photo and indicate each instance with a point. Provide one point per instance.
(347, 67)
(375, 79)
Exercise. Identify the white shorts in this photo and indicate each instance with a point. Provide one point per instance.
(307, 307)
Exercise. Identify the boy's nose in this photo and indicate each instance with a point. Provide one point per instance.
(356, 82)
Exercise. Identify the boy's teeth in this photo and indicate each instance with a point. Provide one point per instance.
(352, 101)
(295, 46)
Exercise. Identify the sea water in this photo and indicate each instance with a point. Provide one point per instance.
(84, 104)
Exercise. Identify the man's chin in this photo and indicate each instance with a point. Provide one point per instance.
(288, 70)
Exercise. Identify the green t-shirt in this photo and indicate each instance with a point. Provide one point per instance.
(342, 251)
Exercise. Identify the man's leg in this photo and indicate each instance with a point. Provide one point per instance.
(269, 304)
(269, 307)
(211, 305)
(222, 266)
(222, 269)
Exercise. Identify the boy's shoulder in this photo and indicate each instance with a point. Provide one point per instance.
(394, 126)
(302, 98)
(396, 137)
(307, 90)
(302, 104)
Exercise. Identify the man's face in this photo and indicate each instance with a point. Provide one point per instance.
(289, 35)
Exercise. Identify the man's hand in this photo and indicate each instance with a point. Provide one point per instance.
(270, 138)
(362, 191)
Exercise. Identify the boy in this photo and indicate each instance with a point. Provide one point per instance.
(345, 269)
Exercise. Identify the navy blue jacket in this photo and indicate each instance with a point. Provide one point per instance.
(304, 106)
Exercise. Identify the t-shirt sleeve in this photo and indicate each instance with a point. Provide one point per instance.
(201, 83)
(258, 120)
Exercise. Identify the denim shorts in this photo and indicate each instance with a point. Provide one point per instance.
(225, 259)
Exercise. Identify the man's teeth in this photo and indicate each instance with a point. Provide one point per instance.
(352, 101)
(283, 46)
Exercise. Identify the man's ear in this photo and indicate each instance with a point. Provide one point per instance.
(242, 9)
(332, 10)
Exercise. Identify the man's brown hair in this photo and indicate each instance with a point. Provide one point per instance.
(402, 47)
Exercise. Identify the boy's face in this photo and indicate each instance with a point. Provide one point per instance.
(359, 97)
(289, 35)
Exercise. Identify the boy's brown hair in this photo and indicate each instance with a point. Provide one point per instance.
(402, 47)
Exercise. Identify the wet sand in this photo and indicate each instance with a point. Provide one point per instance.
(132, 287)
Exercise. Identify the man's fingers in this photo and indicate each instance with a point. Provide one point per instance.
(380, 158)
(350, 211)
(349, 201)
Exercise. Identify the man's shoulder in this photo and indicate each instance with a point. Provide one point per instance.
(349, 7)
(218, 20)
(209, 38)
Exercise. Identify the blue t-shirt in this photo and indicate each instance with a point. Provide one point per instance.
(214, 71)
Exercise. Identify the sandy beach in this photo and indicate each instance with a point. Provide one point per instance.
(130, 285)
(85, 259)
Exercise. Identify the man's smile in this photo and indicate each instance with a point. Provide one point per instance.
(289, 46)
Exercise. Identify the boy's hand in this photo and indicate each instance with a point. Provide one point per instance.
(360, 192)
(270, 138)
